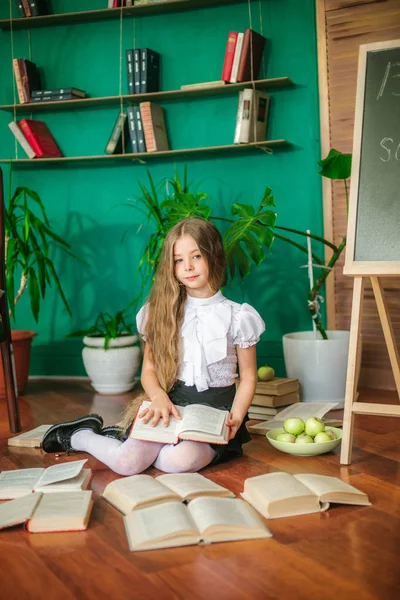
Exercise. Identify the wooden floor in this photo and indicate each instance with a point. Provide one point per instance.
(344, 553)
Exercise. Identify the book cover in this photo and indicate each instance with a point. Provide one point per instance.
(118, 137)
(243, 117)
(19, 136)
(133, 136)
(20, 8)
(259, 120)
(39, 137)
(18, 80)
(58, 92)
(203, 84)
(54, 98)
(269, 400)
(149, 71)
(27, 8)
(236, 58)
(38, 7)
(154, 129)
(229, 56)
(129, 71)
(136, 70)
(141, 143)
(30, 78)
(277, 386)
(29, 439)
(251, 55)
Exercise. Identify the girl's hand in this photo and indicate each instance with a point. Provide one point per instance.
(233, 423)
(161, 408)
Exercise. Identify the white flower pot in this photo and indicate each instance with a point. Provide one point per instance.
(319, 365)
(111, 371)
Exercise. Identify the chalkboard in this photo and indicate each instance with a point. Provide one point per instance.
(374, 211)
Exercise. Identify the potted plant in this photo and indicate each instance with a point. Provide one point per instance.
(111, 354)
(28, 239)
(319, 358)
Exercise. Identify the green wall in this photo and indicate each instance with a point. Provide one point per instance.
(86, 203)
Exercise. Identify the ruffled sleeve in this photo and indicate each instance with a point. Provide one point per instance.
(141, 320)
(248, 326)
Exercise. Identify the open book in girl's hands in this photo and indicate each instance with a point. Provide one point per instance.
(140, 491)
(199, 423)
(284, 495)
(204, 520)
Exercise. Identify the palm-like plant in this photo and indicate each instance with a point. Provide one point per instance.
(28, 239)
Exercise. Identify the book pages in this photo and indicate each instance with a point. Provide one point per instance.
(205, 419)
(137, 491)
(190, 485)
(333, 489)
(29, 439)
(60, 472)
(303, 410)
(62, 512)
(19, 482)
(18, 511)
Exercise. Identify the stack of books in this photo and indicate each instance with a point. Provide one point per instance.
(243, 56)
(35, 138)
(27, 78)
(32, 8)
(273, 396)
(119, 3)
(143, 70)
(140, 129)
(57, 94)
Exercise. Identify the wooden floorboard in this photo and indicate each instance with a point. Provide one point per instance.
(344, 553)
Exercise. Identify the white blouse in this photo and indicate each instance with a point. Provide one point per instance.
(211, 329)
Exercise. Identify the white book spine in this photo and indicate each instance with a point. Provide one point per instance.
(236, 58)
(22, 139)
(238, 118)
(245, 122)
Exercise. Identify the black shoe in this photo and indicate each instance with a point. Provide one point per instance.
(112, 431)
(58, 437)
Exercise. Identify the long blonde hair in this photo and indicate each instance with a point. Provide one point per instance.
(167, 297)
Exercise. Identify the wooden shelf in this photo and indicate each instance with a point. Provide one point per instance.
(144, 156)
(277, 82)
(109, 13)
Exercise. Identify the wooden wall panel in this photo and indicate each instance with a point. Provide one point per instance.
(347, 26)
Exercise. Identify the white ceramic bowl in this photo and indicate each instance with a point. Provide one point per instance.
(304, 449)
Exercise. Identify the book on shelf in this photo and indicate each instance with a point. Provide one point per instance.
(198, 422)
(38, 7)
(277, 386)
(19, 136)
(203, 520)
(20, 7)
(59, 92)
(155, 133)
(53, 98)
(204, 84)
(129, 71)
(141, 491)
(251, 116)
(29, 439)
(27, 78)
(39, 137)
(236, 58)
(143, 2)
(136, 71)
(275, 402)
(141, 143)
(119, 135)
(229, 56)
(64, 477)
(133, 134)
(302, 410)
(281, 494)
(27, 8)
(250, 56)
(149, 71)
(67, 511)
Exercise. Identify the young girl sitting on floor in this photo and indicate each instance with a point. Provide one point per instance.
(194, 339)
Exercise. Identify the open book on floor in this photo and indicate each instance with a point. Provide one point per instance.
(66, 511)
(284, 495)
(200, 423)
(204, 520)
(29, 439)
(140, 491)
(65, 477)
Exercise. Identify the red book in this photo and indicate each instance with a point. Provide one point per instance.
(39, 137)
(229, 55)
(250, 56)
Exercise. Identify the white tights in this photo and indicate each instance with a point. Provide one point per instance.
(134, 456)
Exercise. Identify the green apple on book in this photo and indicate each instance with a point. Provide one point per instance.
(266, 373)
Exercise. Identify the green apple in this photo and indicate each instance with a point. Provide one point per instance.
(304, 439)
(331, 434)
(286, 437)
(322, 436)
(294, 425)
(314, 425)
(266, 373)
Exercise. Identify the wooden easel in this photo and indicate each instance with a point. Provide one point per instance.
(372, 171)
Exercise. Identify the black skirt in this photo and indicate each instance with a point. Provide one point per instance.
(217, 397)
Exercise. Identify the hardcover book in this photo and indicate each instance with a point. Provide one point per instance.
(20, 8)
(229, 55)
(19, 136)
(38, 7)
(203, 520)
(119, 136)
(39, 137)
(59, 92)
(68, 511)
(129, 71)
(149, 71)
(133, 134)
(236, 58)
(29, 439)
(251, 55)
(284, 495)
(198, 422)
(140, 491)
(277, 386)
(276, 401)
(154, 129)
(141, 144)
(70, 476)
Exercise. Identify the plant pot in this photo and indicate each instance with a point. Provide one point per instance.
(21, 342)
(111, 371)
(319, 365)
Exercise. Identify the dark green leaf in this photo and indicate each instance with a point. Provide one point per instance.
(336, 165)
(34, 294)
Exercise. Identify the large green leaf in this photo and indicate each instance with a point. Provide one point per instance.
(34, 293)
(336, 165)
